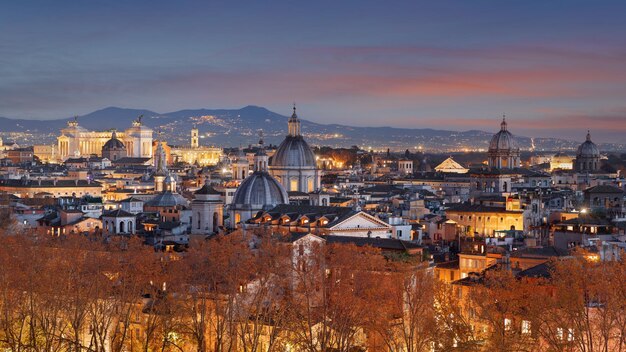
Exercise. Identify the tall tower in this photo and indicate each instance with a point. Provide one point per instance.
(194, 137)
(160, 166)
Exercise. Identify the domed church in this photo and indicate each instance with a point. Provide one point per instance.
(587, 156)
(294, 164)
(114, 149)
(503, 150)
(259, 191)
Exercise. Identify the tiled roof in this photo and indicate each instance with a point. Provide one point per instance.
(381, 243)
(48, 183)
(604, 189)
(543, 270)
(118, 213)
(334, 214)
(478, 208)
(542, 252)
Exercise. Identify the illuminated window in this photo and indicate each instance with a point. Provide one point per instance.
(507, 324)
(525, 327)
(293, 185)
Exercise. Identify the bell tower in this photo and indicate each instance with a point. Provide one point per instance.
(194, 137)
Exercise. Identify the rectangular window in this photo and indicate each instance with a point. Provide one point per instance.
(293, 185)
(507, 324)
(525, 327)
(570, 334)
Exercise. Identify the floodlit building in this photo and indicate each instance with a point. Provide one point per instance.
(293, 164)
(76, 141)
(503, 151)
(451, 166)
(197, 154)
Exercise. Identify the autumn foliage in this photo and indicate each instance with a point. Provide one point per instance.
(258, 292)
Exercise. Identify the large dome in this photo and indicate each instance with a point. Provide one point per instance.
(113, 143)
(588, 148)
(294, 151)
(259, 191)
(503, 140)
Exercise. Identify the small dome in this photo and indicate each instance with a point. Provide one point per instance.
(113, 143)
(167, 199)
(588, 148)
(259, 191)
(294, 151)
(503, 140)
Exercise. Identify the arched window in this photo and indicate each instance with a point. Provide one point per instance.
(122, 227)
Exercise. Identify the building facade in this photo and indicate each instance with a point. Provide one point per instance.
(197, 154)
(76, 141)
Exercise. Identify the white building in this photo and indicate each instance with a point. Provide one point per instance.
(119, 222)
(76, 141)
(207, 211)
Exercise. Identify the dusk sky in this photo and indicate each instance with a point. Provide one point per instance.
(556, 68)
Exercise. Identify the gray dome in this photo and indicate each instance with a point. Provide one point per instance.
(503, 140)
(113, 143)
(259, 191)
(293, 152)
(588, 148)
(167, 199)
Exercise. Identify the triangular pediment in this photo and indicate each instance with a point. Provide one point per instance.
(449, 165)
(360, 220)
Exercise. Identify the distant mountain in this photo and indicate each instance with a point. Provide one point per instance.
(231, 127)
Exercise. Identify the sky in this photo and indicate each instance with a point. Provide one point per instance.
(555, 68)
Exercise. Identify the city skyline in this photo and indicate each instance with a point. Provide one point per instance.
(555, 70)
